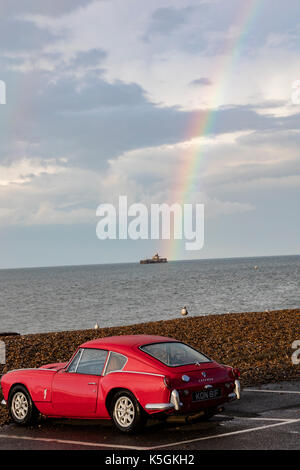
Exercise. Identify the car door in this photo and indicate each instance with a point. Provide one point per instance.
(75, 389)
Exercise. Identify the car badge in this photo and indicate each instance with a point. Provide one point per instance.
(204, 374)
(197, 364)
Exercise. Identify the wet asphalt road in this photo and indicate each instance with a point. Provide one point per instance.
(266, 417)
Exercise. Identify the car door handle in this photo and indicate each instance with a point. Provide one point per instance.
(92, 383)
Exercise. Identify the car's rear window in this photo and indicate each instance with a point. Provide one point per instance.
(174, 354)
(115, 363)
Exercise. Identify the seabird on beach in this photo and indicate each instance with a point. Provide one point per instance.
(184, 311)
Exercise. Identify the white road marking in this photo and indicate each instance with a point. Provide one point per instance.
(64, 441)
(270, 391)
(119, 446)
(255, 418)
(243, 431)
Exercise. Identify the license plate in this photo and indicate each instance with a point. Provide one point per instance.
(207, 394)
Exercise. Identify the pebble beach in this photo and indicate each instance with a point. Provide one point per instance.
(258, 343)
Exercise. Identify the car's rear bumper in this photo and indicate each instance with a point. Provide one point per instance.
(237, 389)
(177, 405)
(159, 406)
(174, 403)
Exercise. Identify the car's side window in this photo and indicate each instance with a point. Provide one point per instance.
(115, 362)
(91, 361)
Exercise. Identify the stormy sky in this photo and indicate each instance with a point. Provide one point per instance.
(106, 98)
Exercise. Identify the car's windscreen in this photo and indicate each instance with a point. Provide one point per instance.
(174, 354)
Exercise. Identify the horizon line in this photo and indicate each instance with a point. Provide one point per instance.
(137, 262)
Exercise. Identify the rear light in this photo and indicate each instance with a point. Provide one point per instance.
(167, 382)
(235, 373)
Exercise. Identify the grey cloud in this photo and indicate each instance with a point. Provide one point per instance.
(93, 57)
(43, 7)
(203, 81)
(92, 121)
(244, 172)
(270, 23)
(281, 138)
(8, 62)
(18, 35)
(267, 104)
(166, 20)
(94, 93)
(239, 118)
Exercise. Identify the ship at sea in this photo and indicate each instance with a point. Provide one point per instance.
(155, 259)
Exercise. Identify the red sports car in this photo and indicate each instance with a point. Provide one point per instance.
(123, 378)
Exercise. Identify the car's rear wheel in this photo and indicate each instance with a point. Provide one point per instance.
(21, 407)
(126, 412)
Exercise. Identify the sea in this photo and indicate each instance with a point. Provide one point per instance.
(36, 300)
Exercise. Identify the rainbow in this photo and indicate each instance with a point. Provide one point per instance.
(203, 125)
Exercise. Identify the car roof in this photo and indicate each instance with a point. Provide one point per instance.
(125, 342)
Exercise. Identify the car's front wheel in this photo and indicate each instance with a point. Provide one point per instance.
(127, 414)
(21, 407)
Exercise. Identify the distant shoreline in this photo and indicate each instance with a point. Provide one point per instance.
(137, 262)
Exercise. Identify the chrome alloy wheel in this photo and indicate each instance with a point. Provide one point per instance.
(124, 411)
(20, 405)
